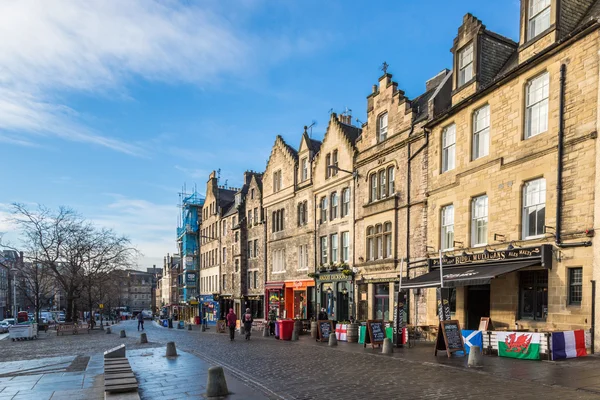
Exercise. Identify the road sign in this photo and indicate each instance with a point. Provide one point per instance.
(101, 306)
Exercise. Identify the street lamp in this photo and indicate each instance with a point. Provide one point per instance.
(14, 271)
(336, 168)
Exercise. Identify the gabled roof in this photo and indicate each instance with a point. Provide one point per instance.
(288, 150)
(350, 132)
(315, 145)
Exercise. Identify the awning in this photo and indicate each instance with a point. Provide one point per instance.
(481, 274)
(274, 285)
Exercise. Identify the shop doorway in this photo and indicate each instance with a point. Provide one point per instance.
(343, 302)
(478, 305)
(299, 304)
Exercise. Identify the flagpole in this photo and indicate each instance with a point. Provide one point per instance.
(441, 275)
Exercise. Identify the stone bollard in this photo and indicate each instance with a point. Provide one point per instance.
(266, 331)
(189, 327)
(143, 338)
(475, 357)
(294, 335)
(216, 385)
(242, 330)
(123, 334)
(387, 346)
(171, 350)
(332, 339)
(108, 330)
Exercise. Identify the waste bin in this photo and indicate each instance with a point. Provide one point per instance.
(170, 322)
(276, 329)
(197, 320)
(286, 327)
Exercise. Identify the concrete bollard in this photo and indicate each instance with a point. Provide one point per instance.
(216, 385)
(123, 334)
(171, 350)
(387, 346)
(294, 335)
(332, 339)
(108, 330)
(189, 327)
(143, 338)
(475, 357)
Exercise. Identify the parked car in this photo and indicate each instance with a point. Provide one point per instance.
(4, 326)
(9, 321)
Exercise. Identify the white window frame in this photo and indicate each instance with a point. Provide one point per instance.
(449, 148)
(481, 132)
(387, 240)
(345, 247)
(479, 221)
(304, 169)
(447, 228)
(382, 127)
(324, 207)
(537, 93)
(534, 199)
(345, 202)
(334, 205)
(373, 186)
(324, 254)
(538, 14)
(465, 65)
(334, 247)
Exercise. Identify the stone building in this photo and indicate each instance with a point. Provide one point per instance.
(252, 261)
(511, 182)
(390, 218)
(333, 190)
(167, 285)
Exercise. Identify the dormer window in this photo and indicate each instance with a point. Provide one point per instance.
(539, 17)
(304, 169)
(382, 127)
(465, 65)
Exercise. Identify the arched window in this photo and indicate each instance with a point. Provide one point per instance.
(378, 241)
(373, 186)
(391, 184)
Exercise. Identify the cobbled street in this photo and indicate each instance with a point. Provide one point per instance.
(309, 370)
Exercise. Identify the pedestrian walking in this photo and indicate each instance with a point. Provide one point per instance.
(323, 315)
(140, 318)
(272, 319)
(231, 320)
(247, 320)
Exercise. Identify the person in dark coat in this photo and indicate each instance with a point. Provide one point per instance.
(323, 315)
(140, 318)
(247, 321)
(231, 320)
(272, 320)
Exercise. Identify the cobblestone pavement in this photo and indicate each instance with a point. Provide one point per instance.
(307, 370)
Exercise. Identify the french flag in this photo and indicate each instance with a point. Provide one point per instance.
(568, 344)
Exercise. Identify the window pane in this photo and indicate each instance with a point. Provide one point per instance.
(537, 105)
(481, 126)
(448, 148)
(465, 65)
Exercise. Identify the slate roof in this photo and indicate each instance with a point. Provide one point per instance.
(420, 105)
(315, 145)
(352, 133)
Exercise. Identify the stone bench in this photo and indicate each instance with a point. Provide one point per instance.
(119, 380)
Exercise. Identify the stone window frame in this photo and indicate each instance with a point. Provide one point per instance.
(323, 206)
(327, 165)
(446, 246)
(526, 86)
(334, 163)
(388, 244)
(382, 133)
(530, 19)
(345, 255)
(334, 246)
(444, 146)
(303, 257)
(373, 187)
(304, 169)
(334, 205)
(481, 131)
(277, 181)
(525, 205)
(391, 183)
(252, 194)
(572, 284)
(324, 254)
(370, 245)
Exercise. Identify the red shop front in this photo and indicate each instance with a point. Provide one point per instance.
(274, 295)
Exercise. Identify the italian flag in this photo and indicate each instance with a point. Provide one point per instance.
(523, 345)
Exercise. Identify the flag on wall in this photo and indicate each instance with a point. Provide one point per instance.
(568, 344)
(472, 338)
(521, 345)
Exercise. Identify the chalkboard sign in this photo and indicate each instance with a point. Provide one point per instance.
(325, 329)
(484, 324)
(375, 332)
(221, 325)
(452, 337)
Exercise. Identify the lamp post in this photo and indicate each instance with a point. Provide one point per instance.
(14, 272)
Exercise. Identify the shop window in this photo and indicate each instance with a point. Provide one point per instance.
(452, 297)
(448, 148)
(481, 132)
(534, 208)
(539, 17)
(334, 205)
(575, 286)
(465, 65)
(382, 301)
(536, 113)
(479, 221)
(533, 295)
(345, 202)
(447, 228)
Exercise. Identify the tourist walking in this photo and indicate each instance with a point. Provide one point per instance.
(231, 320)
(272, 320)
(140, 318)
(247, 320)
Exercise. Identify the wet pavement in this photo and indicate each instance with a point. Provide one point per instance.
(269, 368)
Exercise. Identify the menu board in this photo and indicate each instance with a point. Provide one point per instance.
(452, 337)
(375, 332)
(484, 324)
(221, 325)
(325, 329)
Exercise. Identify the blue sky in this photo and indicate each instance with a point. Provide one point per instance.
(110, 107)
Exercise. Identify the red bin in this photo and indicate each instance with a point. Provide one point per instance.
(197, 320)
(286, 327)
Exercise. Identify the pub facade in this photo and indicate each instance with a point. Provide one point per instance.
(510, 199)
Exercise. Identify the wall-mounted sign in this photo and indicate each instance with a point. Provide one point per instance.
(544, 252)
(190, 278)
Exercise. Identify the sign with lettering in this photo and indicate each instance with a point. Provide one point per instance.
(325, 328)
(333, 277)
(543, 252)
(443, 303)
(399, 314)
(190, 278)
(380, 280)
(375, 332)
(449, 338)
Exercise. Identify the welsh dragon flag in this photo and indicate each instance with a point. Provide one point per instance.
(521, 345)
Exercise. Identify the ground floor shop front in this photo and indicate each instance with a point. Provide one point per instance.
(335, 294)
(536, 289)
(291, 299)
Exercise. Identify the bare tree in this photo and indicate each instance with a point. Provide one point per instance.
(71, 248)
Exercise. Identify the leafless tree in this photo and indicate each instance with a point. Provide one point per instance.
(72, 249)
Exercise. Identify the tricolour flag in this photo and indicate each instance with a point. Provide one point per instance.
(472, 338)
(568, 344)
(521, 345)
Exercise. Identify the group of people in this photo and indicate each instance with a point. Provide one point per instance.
(247, 320)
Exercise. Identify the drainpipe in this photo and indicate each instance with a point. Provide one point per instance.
(559, 168)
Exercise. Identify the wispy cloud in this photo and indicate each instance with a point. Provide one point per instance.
(96, 47)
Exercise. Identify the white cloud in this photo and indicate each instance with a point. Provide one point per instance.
(50, 49)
